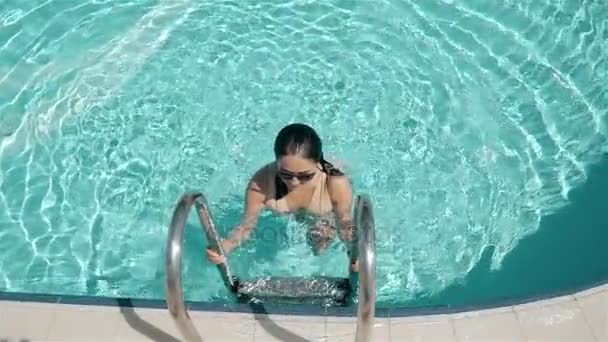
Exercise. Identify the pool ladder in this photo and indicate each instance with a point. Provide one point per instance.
(364, 248)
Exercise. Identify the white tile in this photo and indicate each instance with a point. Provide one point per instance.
(591, 291)
(73, 323)
(558, 321)
(4, 305)
(227, 327)
(420, 319)
(422, 328)
(595, 309)
(477, 313)
(345, 330)
(289, 318)
(267, 330)
(25, 323)
(88, 308)
(347, 319)
(545, 302)
(492, 326)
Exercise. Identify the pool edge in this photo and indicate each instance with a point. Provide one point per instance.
(292, 309)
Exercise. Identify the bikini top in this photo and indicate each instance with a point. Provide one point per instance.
(320, 202)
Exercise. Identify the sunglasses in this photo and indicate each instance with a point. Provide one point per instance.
(302, 177)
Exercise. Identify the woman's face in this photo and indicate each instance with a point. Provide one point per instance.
(295, 170)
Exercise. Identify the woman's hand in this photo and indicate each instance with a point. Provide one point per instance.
(214, 256)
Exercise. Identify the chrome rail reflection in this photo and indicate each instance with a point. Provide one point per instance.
(365, 249)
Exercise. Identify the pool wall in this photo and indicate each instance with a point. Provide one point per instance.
(288, 309)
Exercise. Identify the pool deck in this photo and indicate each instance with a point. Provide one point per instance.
(582, 316)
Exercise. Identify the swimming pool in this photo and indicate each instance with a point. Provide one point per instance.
(469, 124)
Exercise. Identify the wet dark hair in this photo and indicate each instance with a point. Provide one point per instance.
(301, 139)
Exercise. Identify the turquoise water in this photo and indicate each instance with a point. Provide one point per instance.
(470, 124)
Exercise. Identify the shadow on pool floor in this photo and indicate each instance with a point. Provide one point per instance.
(567, 253)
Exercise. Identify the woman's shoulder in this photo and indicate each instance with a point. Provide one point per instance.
(339, 186)
(263, 179)
(337, 181)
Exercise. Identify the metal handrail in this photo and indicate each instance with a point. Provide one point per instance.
(173, 265)
(365, 249)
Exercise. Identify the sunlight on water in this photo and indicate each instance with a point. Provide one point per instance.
(465, 121)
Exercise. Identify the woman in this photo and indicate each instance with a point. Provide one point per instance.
(301, 181)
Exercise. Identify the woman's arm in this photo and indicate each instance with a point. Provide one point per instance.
(255, 197)
(341, 194)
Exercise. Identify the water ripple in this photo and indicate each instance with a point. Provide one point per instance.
(466, 121)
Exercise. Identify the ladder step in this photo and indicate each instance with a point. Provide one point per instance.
(316, 290)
